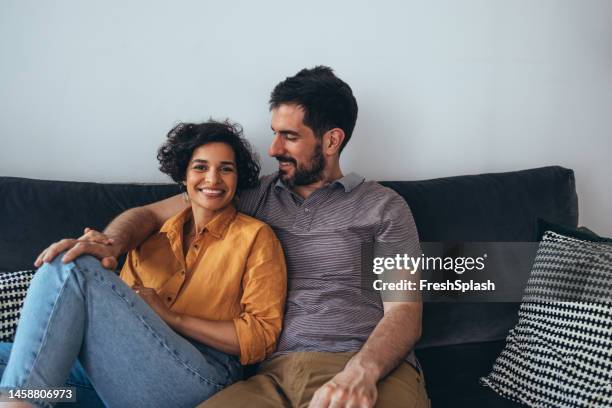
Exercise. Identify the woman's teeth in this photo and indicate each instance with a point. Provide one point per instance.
(210, 191)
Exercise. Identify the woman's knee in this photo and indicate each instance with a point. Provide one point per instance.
(89, 263)
(56, 269)
(82, 263)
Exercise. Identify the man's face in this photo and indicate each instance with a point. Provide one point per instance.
(296, 147)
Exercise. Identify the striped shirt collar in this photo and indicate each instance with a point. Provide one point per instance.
(348, 182)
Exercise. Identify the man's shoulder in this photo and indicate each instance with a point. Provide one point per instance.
(251, 198)
(268, 179)
(373, 190)
(388, 209)
(265, 183)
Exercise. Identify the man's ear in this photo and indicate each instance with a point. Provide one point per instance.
(332, 140)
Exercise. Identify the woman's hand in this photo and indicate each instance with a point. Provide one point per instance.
(154, 301)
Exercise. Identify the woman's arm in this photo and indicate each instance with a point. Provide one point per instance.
(218, 334)
(254, 333)
(263, 300)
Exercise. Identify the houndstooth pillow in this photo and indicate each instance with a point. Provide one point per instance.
(13, 288)
(560, 352)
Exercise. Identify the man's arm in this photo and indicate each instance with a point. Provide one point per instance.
(394, 336)
(399, 329)
(128, 230)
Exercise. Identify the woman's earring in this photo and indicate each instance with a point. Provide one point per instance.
(183, 188)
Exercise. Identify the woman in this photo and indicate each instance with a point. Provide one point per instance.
(195, 301)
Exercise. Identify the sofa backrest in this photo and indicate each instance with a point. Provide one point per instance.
(35, 213)
(497, 207)
(494, 207)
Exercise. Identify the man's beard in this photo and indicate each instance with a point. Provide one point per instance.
(304, 175)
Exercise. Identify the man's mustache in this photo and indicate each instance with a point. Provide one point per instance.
(286, 159)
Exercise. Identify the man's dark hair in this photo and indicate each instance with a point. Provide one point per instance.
(328, 101)
(174, 155)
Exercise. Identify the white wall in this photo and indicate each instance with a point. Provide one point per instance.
(445, 87)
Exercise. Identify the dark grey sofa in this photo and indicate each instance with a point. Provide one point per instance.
(460, 340)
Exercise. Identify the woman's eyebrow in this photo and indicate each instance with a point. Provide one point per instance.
(206, 161)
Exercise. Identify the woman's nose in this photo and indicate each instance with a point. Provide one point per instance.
(212, 177)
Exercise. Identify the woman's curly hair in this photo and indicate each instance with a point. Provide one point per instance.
(174, 155)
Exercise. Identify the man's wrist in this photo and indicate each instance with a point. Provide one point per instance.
(118, 246)
(367, 369)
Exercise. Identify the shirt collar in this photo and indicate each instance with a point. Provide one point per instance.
(348, 182)
(217, 226)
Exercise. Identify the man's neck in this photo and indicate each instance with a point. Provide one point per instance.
(328, 178)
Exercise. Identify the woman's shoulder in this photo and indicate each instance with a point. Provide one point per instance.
(250, 224)
(248, 229)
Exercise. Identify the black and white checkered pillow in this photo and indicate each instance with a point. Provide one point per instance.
(560, 352)
(13, 288)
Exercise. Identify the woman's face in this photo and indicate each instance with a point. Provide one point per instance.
(212, 176)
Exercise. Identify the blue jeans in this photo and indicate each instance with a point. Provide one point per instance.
(82, 326)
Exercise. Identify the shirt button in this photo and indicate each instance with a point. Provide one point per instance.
(196, 246)
(169, 299)
(307, 210)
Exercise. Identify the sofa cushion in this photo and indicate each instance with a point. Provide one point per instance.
(496, 207)
(582, 233)
(13, 289)
(560, 352)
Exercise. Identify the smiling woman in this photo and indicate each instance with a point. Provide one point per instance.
(212, 162)
(204, 295)
(211, 179)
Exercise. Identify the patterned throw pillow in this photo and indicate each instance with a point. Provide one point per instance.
(560, 352)
(13, 288)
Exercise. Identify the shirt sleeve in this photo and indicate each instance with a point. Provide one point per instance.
(129, 270)
(397, 235)
(264, 287)
(398, 226)
(251, 200)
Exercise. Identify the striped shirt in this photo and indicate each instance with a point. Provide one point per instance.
(322, 236)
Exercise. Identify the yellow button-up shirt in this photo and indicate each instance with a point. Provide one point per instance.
(234, 271)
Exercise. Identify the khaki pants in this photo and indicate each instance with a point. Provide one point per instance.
(291, 381)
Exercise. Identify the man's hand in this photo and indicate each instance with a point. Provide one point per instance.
(353, 387)
(154, 301)
(91, 242)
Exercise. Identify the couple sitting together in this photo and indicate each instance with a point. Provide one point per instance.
(235, 271)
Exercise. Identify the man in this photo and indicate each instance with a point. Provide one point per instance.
(341, 345)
